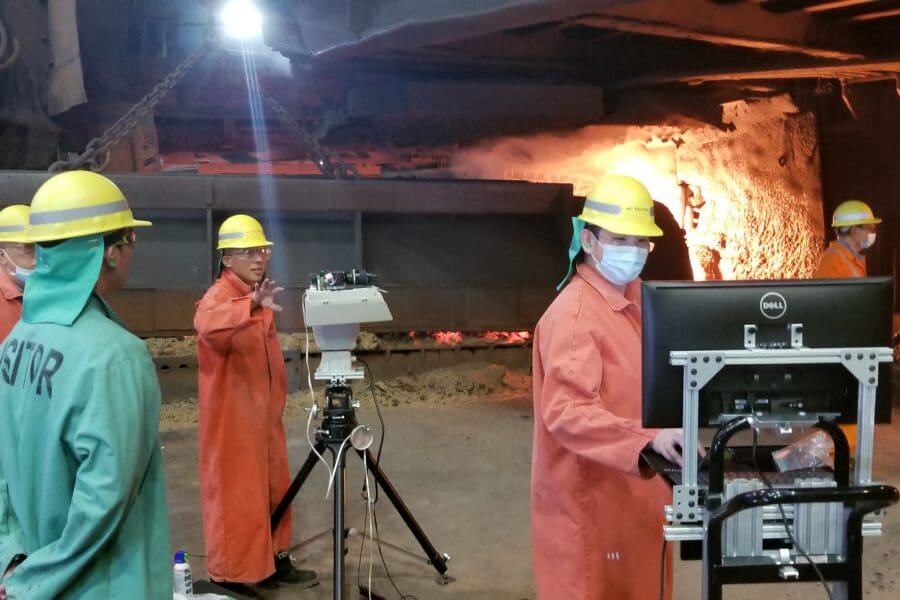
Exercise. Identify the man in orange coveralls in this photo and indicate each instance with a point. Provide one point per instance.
(243, 453)
(596, 520)
(16, 264)
(854, 231)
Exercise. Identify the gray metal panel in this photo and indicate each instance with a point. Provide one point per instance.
(470, 250)
(465, 309)
(306, 244)
(172, 254)
(465, 255)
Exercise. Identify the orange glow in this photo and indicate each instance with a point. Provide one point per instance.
(450, 338)
(747, 196)
(459, 338)
(582, 158)
(507, 337)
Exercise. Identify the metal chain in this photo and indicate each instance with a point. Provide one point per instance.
(96, 153)
(309, 142)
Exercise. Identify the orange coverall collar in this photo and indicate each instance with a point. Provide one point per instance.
(616, 299)
(236, 283)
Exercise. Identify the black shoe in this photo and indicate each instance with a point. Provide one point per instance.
(285, 573)
(243, 590)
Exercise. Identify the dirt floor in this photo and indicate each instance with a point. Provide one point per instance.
(457, 449)
(366, 340)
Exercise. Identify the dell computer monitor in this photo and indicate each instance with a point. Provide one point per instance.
(690, 316)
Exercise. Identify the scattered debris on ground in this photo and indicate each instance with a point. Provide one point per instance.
(461, 383)
(366, 341)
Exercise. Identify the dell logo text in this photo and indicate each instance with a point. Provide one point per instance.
(773, 305)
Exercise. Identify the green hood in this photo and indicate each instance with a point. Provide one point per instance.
(574, 249)
(63, 279)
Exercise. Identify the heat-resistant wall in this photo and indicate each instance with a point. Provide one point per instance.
(747, 192)
(754, 198)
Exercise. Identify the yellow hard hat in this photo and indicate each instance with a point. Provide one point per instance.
(79, 203)
(622, 205)
(853, 212)
(241, 231)
(14, 224)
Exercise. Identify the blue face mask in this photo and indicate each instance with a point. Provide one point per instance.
(20, 274)
(621, 264)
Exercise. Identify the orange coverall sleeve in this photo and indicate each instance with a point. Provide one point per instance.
(217, 320)
(10, 313)
(574, 401)
(833, 265)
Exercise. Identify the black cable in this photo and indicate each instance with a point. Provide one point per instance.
(380, 419)
(375, 499)
(784, 521)
(362, 546)
(662, 570)
(384, 563)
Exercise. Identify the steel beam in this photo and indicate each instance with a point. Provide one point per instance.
(292, 195)
(753, 42)
(340, 30)
(862, 70)
(783, 6)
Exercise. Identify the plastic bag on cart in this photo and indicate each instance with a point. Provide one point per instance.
(812, 450)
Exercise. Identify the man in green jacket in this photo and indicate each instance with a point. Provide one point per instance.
(82, 496)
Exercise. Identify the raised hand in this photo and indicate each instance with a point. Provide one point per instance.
(264, 295)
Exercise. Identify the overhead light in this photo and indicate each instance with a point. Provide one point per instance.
(241, 19)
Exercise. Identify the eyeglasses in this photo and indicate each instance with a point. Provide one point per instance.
(21, 248)
(127, 239)
(628, 241)
(250, 253)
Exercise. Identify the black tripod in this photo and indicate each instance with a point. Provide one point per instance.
(337, 424)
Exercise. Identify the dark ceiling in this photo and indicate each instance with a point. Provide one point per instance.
(374, 78)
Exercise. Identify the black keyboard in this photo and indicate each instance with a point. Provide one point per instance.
(671, 472)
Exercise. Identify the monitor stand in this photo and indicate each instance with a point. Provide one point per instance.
(737, 523)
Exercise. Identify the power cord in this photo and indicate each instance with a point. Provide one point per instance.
(380, 417)
(372, 501)
(337, 465)
(368, 525)
(784, 521)
(384, 563)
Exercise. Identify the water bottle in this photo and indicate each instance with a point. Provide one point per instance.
(181, 575)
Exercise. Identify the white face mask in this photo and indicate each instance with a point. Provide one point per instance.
(869, 241)
(621, 264)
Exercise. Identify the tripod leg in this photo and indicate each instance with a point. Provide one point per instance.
(437, 561)
(291, 492)
(340, 534)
